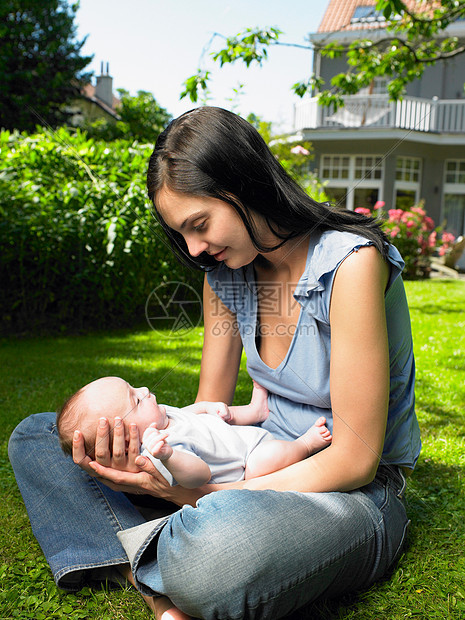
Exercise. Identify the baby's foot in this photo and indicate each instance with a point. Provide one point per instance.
(317, 437)
(259, 401)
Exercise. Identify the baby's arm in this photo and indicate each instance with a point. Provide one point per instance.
(253, 413)
(213, 408)
(187, 469)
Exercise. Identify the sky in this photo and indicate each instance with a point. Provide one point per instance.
(154, 45)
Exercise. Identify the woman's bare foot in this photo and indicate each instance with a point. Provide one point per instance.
(164, 609)
(161, 606)
(259, 401)
(317, 437)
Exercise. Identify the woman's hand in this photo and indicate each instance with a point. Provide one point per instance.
(118, 457)
(142, 478)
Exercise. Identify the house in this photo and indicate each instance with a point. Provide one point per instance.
(374, 149)
(95, 102)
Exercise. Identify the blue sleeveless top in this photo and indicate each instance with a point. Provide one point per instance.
(299, 387)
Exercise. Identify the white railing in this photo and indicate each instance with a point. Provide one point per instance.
(413, 113)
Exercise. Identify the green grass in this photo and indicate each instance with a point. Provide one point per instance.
(427, 583)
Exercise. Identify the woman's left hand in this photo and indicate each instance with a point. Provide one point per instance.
(148, 481)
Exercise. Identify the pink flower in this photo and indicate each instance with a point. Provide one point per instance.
(429, 223)
(299, 150)
(406, 217)
(418, 210)
(410, 224)
(379, 204)
(432, 239)
(363, 211)
(395, 215)
(395, 231)
(447, 238)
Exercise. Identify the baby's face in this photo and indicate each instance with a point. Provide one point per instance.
(112, 397)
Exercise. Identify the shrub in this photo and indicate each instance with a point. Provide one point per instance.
(415, 236)
(80, 246)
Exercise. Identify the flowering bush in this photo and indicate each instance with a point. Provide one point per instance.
(415, 236)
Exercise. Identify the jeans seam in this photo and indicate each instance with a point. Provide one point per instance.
(107, 505)
(75, 567)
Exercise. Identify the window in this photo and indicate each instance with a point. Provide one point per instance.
(352, 180)
(454, 213)
(408, 169)
(407, 186)
(368, 167)
(335, 167)
(454, 196)
(363, 14)
(455, 171)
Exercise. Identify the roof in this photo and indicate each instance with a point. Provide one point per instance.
(339, 14)
(88, 91)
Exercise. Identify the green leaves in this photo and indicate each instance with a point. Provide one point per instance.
(390, 7)
(249, 46)
(40, 62)
(195, 85)
(80, 247)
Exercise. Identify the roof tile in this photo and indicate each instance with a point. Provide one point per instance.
(339, 13)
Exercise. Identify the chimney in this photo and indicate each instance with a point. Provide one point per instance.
(104, 87)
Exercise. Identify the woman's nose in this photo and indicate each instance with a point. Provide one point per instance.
(143, 392)
(196, 246)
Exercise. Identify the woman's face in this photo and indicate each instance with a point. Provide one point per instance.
(208, 225)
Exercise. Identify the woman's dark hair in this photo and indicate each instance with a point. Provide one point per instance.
(211, 152)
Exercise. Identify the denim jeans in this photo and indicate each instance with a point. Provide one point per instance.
(238, 554)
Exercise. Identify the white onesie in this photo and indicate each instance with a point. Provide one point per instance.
(223, 447)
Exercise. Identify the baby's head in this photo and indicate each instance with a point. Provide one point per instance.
(110, 398)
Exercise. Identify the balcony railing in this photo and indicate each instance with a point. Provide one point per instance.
(413, 113)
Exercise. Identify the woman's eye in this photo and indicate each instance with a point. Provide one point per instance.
(199, 226)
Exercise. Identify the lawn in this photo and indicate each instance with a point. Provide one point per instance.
(427, 583)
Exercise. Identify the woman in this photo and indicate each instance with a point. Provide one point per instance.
(314, 296)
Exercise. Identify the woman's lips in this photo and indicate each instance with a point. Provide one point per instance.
(219, 255)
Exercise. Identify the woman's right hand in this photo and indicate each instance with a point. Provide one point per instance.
(128, 473)
(118, 457)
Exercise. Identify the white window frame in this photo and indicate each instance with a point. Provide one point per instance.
(352, 183)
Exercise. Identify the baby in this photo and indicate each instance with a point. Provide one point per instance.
(203, 442)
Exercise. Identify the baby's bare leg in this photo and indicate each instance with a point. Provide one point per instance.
(253, 413)
(270, 456)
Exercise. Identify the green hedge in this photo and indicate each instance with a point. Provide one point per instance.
(80, 248)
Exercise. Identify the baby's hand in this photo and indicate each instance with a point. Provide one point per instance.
(155, 442)
(220, 409)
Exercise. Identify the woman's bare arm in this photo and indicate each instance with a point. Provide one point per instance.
(221, 353)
